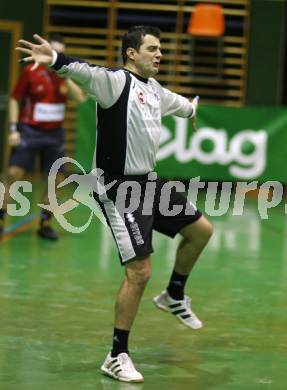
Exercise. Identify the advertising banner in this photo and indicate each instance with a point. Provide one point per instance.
(234, 144)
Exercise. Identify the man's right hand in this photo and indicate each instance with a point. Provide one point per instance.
(40, 54)
(14, 138)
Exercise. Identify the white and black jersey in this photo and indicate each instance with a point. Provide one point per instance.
(129, 112)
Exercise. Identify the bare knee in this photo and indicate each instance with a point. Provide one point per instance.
(207, 231)
(139, 271)
(15, 173)
(198, 233)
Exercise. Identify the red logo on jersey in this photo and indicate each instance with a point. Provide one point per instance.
(142, 97)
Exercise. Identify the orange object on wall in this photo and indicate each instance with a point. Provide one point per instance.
(207, 20)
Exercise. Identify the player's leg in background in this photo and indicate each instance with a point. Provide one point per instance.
(14, 173)
(52, 149)
(45, 230)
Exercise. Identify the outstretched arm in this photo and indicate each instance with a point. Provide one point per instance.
(100, 83)
(174, 104)
(40, 54)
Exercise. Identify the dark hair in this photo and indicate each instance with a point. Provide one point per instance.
(134, 38)
(56, 38)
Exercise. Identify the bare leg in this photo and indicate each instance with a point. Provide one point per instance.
(130, 292)
(195, 238)
(58, 179)
(45, 230)
(118, 364)
(14, 173)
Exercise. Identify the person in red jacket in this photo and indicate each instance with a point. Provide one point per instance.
(36, 113)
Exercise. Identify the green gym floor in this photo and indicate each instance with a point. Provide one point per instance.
(56, 302)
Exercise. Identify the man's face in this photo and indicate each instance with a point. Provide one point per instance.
(147, 59)
(58, 46)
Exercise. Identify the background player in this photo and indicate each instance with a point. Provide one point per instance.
(36, 114)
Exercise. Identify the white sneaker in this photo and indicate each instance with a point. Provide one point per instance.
(121, 368)
(181, 309)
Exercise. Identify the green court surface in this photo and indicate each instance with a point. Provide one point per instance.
(56, 302)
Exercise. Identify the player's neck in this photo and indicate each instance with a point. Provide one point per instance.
(133, 69)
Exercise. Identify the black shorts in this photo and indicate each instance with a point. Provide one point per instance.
(153, 205)
(49, 146)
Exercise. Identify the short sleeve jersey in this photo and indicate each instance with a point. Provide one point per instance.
(43, 96)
